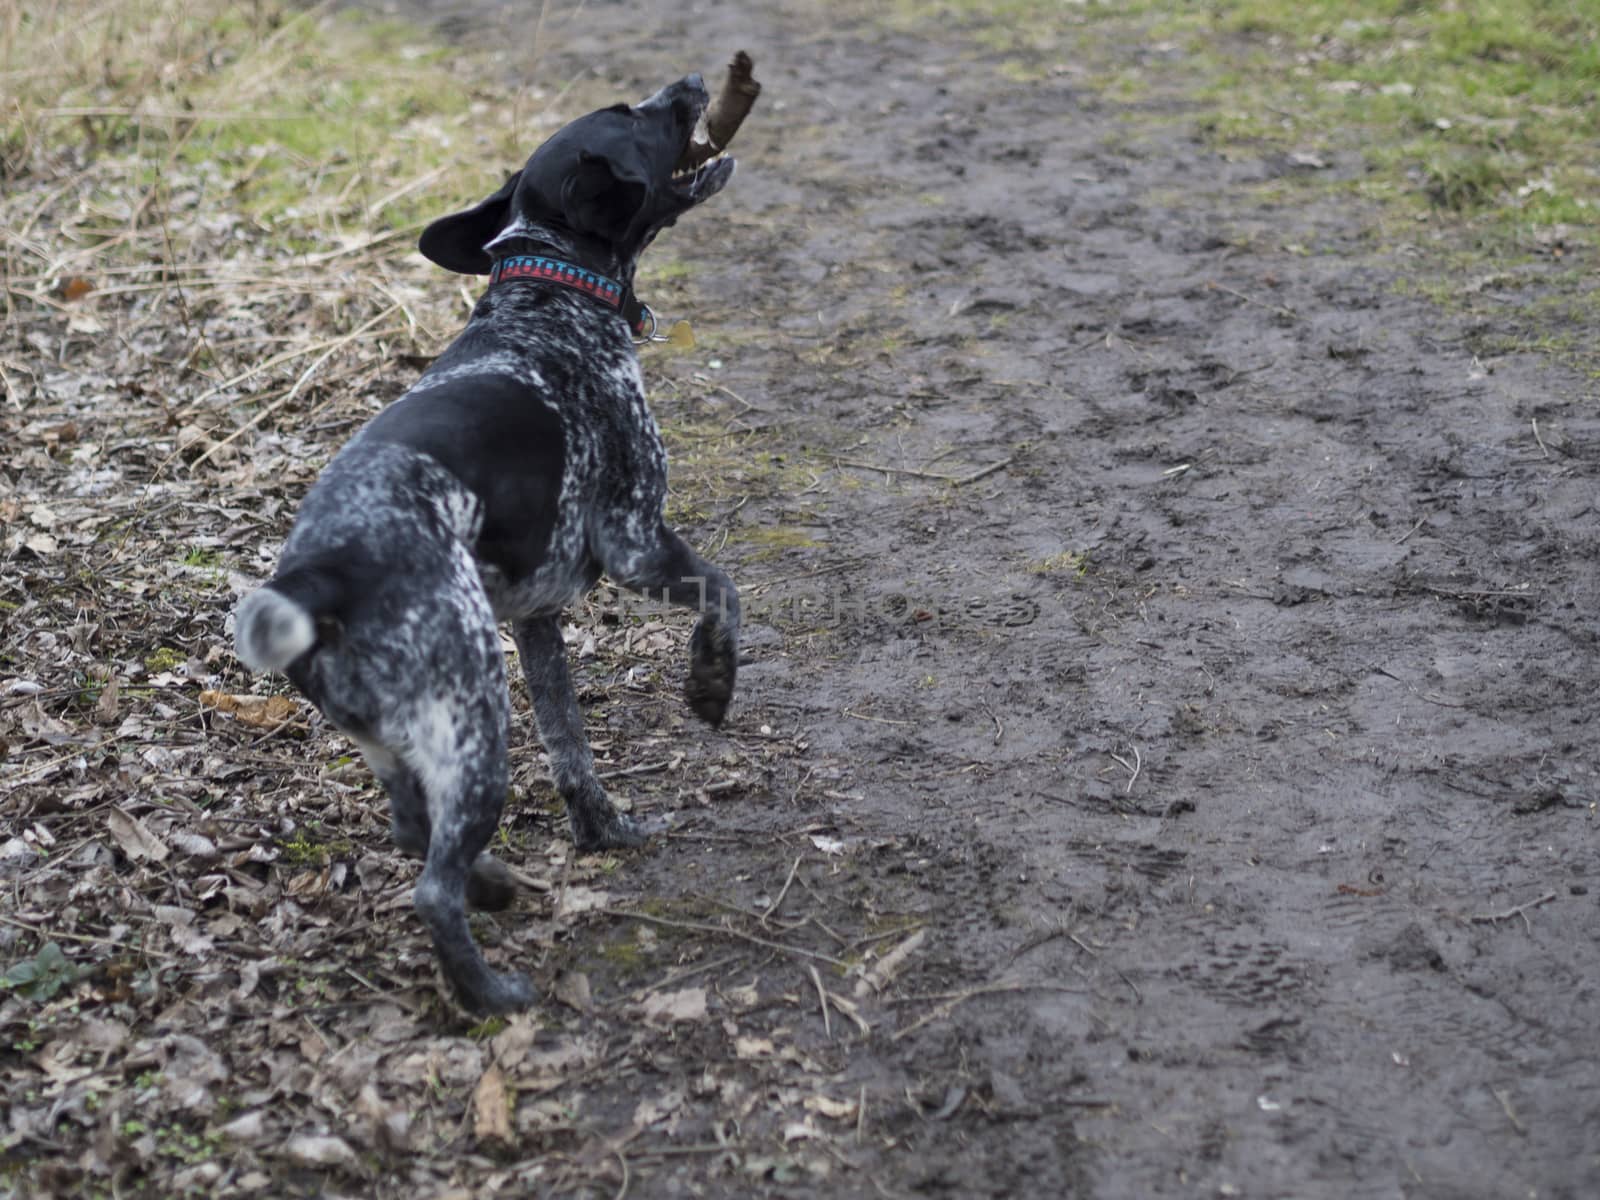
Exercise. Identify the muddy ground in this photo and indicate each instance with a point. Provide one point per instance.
(1174, 638)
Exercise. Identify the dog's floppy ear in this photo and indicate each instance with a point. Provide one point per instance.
(457, 242)
(599, 199)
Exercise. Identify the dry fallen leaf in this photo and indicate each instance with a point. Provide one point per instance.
(745, 996)
(572, 989)
(800, 1131)
(827, 1106)
(879, 975)
(656, 1108)
(193, 844)
(247, 1127)
(105, 707)
(581, 899)
(320, 1150)
(135, 838)
(754, 1047)
(390, 1123)
(686, 1005)
(260, 712)
(491, 1113)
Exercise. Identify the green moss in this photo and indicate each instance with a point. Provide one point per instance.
(304, 849)
(163, 659)
(1068, 562)
(776, 538)
(625, 956)
(486, 1029)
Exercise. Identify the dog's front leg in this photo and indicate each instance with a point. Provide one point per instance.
(670, 570)
(596, 823)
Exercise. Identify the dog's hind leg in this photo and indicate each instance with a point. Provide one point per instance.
(671, 570)
(456, 758)
(596, 823)
(490, 886)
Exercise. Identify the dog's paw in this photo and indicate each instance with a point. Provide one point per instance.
(611, 830)
(490, 885)
(498, 994)
(713, 663)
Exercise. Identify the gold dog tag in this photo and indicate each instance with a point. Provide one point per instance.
(680, 336)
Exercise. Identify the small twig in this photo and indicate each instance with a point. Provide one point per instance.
(1132, 768)
(724, 931)
(45, 769)
(682, 1151)
(830, 569)
(267, 364)
(642, 769)
(288, 398)
(850, 1009)
(822, 998)
(1405, 537)
(1520, 910)
(133, 114)
(1277, 308)
(879, 720)
(787, 884)
(405, 189)
(1103, 336)
(914, 472)
(85, 938)
(727, 391)
(622, 1158)
(1544, 450)
(1504, 1096)
(393, 997)
(984, 472)
(952, 999)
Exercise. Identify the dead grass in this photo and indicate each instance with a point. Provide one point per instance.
(208, 981)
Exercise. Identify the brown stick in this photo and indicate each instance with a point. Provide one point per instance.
(726, 113)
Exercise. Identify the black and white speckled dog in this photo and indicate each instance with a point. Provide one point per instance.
(522, 464)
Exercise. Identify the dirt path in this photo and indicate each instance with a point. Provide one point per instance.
(1251, 735)
(1164, 760)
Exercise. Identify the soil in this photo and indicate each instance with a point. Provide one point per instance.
(1174, 637)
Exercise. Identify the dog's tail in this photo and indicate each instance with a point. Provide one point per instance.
(276, 624)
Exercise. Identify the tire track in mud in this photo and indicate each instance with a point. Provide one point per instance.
(1308, 680)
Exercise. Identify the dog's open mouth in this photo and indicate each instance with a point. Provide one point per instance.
(698, 182)
(703, 166)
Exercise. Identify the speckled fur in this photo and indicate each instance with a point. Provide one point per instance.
(522, 465)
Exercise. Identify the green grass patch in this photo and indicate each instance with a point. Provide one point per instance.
(327, 119)
(1067, 562)
(163, 658)
(772, 541)
(1468, 129)
(1490, 108)
(1486, 109)
(304, 848)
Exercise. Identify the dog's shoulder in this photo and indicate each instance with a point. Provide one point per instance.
(505, 444)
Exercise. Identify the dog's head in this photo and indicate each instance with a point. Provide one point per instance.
(600, 189)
